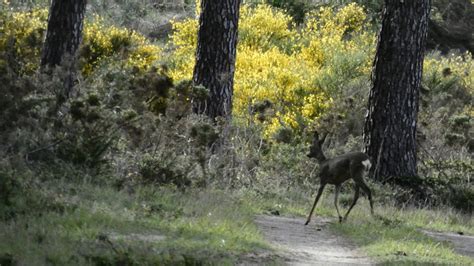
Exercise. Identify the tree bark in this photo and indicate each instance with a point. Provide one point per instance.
(215, 56)
(64, 32)
(390, 128)
(63, 37)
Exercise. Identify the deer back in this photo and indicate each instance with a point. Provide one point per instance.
(343, 167)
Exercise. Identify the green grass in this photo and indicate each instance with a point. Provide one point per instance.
(88, 224)
(393, 236)
(101, 225)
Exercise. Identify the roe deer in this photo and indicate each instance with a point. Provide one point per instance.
(336, 171)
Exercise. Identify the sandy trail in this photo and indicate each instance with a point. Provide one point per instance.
(462, 244)
(313, 244)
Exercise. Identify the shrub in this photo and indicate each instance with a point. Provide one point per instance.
(441, 73)
(263, 28)
(446, 96)
(462, 198)
(24, 34)
(296, 8)
(86, 128)
(162, 171)
(294, 70)
(101, 42)
(22, 38)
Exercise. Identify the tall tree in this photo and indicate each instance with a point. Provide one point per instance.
(63, 36)
(390, 129)
(215, 56)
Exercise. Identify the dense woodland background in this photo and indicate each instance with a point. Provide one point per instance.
(116, 149)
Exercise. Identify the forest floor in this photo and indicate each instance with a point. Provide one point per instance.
(313, 244)
(86, 224)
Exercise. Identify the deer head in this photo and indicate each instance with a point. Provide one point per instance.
(315, 150)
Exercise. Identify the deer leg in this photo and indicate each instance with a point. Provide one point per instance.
(320, 191)
(336, 195)
(369, 195)
(354, 201)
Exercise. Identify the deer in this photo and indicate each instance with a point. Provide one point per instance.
(337, 170)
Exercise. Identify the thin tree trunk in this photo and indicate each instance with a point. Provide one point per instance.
(215, 56)
(390, 129)
(63, 37)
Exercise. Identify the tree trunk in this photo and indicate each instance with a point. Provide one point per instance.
(390, 129)
(63, 37)
(215, 56)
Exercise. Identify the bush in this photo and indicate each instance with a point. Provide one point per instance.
(130, 122)
(295, 70)
(296, 8)
(462, 198)
(101, 42)
(22, 39)
(25, 30)
(163, 171)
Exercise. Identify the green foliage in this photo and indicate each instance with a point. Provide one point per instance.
(460, 126)
(22, 193)
(204, 134)
(462, 198)
(163, 170)
(148, 226)
(8, 187)
(295, 8)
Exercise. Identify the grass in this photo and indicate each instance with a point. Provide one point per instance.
(394, 237)
(100, 225)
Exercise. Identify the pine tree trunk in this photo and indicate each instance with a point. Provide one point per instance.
(390, 129)
(64, 31)
(215, 56)
(63, 37)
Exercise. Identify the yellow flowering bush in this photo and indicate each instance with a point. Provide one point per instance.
(184, 40)
(101, 42)
(263, 28)
(325, 30)
(23, 37)
(295, 71)
(351, 17)
(24, 32)
(280, 79)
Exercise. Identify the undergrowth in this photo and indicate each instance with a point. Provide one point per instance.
(98, 225)
(125, 173)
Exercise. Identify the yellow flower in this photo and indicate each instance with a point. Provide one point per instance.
(280, 65)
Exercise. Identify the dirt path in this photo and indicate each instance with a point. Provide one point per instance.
(462, 244)
(309, 245)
